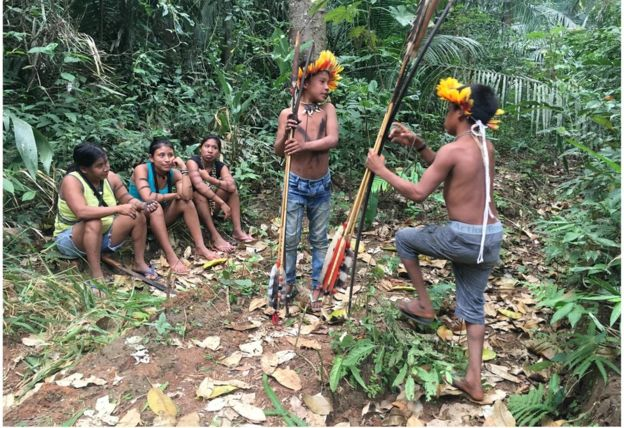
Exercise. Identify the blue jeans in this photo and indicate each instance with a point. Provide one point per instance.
(311, 197)
(67, 247)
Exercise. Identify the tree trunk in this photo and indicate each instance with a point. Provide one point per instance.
(315, 28)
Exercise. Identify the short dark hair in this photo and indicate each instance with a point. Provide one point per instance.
(86, 154)
(158, 142)
(211, 137)
(485, 103)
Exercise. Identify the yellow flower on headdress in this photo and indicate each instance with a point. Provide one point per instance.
(495, 122)
(325, 62)
(451, 90)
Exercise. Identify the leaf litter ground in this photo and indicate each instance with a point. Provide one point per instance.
(212, 368)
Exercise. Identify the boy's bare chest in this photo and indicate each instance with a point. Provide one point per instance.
(312, 127)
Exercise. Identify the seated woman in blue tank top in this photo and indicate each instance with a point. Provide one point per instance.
(155, 180)
(215, 189)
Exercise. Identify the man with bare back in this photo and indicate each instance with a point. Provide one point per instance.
(472, 237)
(309, 182)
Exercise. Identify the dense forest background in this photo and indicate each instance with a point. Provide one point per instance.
(120, 72)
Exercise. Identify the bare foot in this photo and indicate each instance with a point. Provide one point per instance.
(205, 252)
(222, 245)
(243, 237)
(475, 392)
(178, 267)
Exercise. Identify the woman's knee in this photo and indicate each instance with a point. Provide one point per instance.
(93, 226)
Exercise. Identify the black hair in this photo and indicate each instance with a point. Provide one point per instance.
(157, 143)
(211, 137)
(485, 103)
(86, 154)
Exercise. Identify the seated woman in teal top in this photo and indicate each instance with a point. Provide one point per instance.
(155, 180)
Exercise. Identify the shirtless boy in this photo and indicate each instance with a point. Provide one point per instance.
(309, 185)
(472, 237)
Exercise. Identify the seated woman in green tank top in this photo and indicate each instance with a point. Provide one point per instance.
(89, 220)
(155, 180)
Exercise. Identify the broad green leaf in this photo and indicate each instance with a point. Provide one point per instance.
(47, 50)
(29, 196)
(26, 145)
(615, 314)
(410, 387)
(8, 185)
(336, 373)
(575, 315)
(562, 312)
(68, 76)
(44, 149)
(400, 377)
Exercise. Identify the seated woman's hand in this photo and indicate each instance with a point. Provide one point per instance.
(150, 206)
(179, 163)
(127, 209)
(227, 211)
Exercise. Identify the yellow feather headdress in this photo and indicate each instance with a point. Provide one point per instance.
(325, 62)
(451, 90)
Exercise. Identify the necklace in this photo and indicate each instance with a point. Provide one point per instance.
(457, 137)
(311, 108)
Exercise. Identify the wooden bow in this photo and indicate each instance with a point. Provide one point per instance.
(340, 257)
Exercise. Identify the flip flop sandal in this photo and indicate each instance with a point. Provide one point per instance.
(91, 285)
(416, 318)
(150, 273)
(319, 302)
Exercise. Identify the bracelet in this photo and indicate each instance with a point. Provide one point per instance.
(421, 148)
(184, 171)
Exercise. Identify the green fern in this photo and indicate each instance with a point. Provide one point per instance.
(529, 409)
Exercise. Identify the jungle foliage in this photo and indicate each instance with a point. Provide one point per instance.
(121, 72)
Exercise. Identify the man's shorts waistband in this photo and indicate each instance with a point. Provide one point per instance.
(323, 179)
(475, 229)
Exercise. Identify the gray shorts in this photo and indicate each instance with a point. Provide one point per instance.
(459, 243)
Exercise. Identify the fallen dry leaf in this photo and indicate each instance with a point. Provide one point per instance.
(130, 419)
(269, 362)
(510, 314)
(253, 349)
(233, 360)
(288, 378)
(33, 341)
(257, 303)
(488, 354)
(444, 333)
(209, 389)
(164, 421)
(160, 403)
(250, 412)
(499, 416)
(214, 262)
(502, 371)
(304, 343)
(318, 404)
(249, 325)
(211, 342)
(414, 421)
(190, 420)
